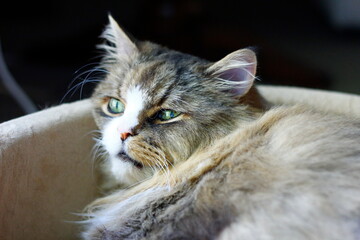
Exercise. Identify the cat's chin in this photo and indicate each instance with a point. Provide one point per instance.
(126, 158)
(127, 171)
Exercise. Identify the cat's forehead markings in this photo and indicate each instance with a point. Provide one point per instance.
(134, 105)
(135, 99)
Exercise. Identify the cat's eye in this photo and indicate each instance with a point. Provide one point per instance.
(115, 106)
(167, 114)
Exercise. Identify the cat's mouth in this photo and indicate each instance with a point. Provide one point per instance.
(123, 156)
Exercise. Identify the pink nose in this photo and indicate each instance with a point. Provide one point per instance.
(124, 135)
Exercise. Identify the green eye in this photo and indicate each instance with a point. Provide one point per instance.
(115, 106)
(167, 114)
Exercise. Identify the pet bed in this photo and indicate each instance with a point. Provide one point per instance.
(46, 169)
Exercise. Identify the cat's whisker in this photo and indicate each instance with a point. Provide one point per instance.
(98, 153)
(153, 169)
(97, 70)
(166, 173)
(75, 87)
(95, 133)
(161, 164)
(171, 177)
(157, 164)
(168, 177)
(162, 161)
(139, 182)
(165, 169)
(85, 66)
(91, 72)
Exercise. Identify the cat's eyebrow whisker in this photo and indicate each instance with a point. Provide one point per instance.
(87, 65)
(94, 72)
(100, 70)
(91, 71)
(94, 79)
(79, 75)
(77, 86)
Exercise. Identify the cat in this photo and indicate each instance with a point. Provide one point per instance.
(193, 151)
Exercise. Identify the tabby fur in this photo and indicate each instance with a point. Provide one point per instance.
(236, 167)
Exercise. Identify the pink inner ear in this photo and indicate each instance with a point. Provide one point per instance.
(242, 77)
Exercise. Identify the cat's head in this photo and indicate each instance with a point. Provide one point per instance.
(157, 106)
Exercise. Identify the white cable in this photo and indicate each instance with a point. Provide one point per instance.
(13, 87)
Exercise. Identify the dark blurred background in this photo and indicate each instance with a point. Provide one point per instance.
(307, 43)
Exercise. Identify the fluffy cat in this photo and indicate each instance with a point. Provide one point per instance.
(192, 151)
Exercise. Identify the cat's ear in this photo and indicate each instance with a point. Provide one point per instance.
(118, 43)
(235, 72)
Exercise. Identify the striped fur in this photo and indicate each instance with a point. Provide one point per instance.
(228, 167)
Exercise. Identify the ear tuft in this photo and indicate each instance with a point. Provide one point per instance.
(118, 45)
(236, 72)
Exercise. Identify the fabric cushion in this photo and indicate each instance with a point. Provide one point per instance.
(46, 169)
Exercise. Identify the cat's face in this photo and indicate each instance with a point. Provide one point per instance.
(156, 106)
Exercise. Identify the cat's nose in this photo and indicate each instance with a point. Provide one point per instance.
(125, 135)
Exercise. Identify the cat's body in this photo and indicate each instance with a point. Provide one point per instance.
(242, 171)
(288, 175)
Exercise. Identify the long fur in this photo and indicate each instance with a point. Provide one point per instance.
(278, 177)
(229, 167)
